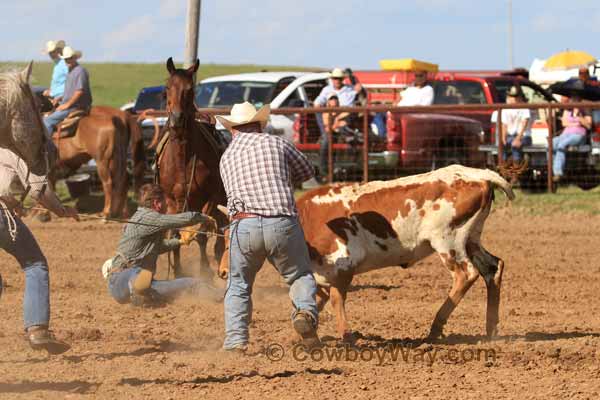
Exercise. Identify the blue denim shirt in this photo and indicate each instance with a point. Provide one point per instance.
(59, 77)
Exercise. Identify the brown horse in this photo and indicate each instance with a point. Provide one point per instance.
(188, 164)
(102, 135)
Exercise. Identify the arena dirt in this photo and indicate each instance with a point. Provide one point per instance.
(547, 348)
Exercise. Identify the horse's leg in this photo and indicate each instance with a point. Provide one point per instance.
(105, 176)
(172, 209)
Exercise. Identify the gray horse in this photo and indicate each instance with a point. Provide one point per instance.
(21, 128)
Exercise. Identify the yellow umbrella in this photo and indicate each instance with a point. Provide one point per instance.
(569, 59)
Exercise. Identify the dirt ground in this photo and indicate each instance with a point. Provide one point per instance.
(547, 348)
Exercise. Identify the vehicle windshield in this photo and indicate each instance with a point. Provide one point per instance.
(458, 92)
(226, 94)
(150, 100)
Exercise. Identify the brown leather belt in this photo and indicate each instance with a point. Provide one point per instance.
(243, 215)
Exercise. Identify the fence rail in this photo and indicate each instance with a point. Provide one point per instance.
(550, 111)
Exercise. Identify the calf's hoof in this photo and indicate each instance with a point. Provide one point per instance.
(435, 334)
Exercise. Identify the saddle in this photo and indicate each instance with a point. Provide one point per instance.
(68, 126)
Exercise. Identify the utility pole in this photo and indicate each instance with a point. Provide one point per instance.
(510, 36)
(191, 35)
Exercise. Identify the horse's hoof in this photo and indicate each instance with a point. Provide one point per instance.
(350, 337)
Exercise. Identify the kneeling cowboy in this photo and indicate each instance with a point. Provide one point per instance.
(130, 273)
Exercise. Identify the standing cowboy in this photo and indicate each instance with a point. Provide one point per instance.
(258, 171)
(17, 240)
(59, 71)
(130, 273)
(77, 94)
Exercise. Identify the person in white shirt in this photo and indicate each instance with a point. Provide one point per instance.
(516, 125)
(17, 240)
(420, 94)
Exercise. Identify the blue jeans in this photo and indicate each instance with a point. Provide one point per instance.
(560, 144)
(515, 152)
(120, 285)
(56, 118)
(36, 299)
(252, 240)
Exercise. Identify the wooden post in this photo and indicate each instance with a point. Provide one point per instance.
(550, 156)
(191, 35)
(499, 140)
(366, 144)
(329, 157)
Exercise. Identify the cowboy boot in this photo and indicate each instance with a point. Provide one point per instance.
(40, 338)
(305, 326)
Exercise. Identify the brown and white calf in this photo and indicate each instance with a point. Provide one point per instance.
(354, 228)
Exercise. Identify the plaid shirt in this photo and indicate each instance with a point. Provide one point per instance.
(141, 244)
(258, 172)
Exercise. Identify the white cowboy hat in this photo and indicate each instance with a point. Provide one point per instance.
(106, 267)
(245, 113)
(68, 52)
(337, 73)
(52, 45)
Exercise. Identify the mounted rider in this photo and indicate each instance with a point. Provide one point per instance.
(77, 95)
(54, 49)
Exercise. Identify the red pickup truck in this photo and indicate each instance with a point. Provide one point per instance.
(414, 142)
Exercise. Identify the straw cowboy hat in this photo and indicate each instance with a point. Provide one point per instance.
(52, 45)
(245, 113)
(68, 52)
(337, 73)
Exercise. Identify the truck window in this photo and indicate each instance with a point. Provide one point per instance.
(312, 89)
(225, 94)
(293, 100)
(533, 95)
(502, 86)
(458, 92)
(282, 84)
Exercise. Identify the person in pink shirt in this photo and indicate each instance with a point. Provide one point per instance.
(576, 123)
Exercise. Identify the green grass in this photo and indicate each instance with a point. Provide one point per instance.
(117, 84)
(569, 199)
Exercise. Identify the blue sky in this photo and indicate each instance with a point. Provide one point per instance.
(457, 34)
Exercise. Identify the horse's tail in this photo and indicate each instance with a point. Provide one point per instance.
(136, 147)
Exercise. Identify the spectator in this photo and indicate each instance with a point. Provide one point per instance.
(584, 75)
(77, 94)
(59, 71)
(516, 125)
(346, 94)
(334, 122)
(420, 94)
(575, 124)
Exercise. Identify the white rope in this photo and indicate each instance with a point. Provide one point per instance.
(10, 220)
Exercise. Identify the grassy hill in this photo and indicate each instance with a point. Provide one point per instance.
(116, 84)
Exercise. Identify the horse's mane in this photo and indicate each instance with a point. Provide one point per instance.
(11, 90)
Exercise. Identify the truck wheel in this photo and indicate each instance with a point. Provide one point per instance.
(529, 183)
(589, 179)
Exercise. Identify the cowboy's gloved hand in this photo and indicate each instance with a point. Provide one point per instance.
(187, 237)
